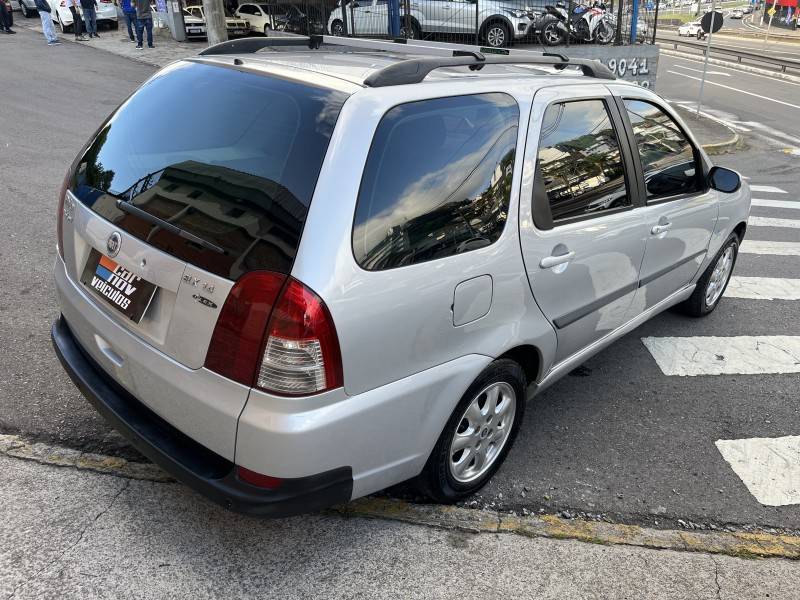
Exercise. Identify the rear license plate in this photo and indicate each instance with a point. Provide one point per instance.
(195, 30)
(126, 292)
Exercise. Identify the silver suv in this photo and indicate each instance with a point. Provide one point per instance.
(499, 22)
(338, 269)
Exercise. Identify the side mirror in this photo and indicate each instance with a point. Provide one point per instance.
(724, 180)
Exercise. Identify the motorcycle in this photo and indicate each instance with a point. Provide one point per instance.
(586, 24)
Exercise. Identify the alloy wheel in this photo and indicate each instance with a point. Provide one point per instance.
(496, 36)
(482, 432)
(719, 277)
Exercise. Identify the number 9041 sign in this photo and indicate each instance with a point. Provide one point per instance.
(630, 69)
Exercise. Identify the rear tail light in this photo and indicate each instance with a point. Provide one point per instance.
(276, 335)
(60, 214)
(257, 479)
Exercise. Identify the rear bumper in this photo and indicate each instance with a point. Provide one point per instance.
(185, 459)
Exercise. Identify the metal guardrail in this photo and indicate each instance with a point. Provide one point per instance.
(782, 63)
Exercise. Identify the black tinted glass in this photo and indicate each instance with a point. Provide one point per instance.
(230, 157)
(580, 161)
(667, 155)
(437, 180)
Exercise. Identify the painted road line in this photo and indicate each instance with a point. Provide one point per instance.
(769, 467)
(738, 355)
(768, 189)
(773, 222)
(767, 247)
(763, 288)
(776, 203)
(733, 89)
(700, 70)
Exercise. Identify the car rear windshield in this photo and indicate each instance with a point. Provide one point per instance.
(228, 156)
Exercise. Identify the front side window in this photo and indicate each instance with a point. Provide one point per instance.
(667, 156)
(580, 162)
(437, 181)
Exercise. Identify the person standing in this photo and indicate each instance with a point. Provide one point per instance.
(49, 30)
(5, 17)
(129, 13)
(77, 21)
(144, 20)
(89, 8)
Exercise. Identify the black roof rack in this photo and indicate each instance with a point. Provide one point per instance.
(414, 70)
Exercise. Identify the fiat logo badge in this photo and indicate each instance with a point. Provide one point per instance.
(113, 243)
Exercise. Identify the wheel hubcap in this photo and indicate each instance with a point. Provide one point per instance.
(719, 277)
(496, 36)
(482, 432)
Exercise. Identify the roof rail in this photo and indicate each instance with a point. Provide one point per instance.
(415, 70)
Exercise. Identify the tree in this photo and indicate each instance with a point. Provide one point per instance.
(214, 12)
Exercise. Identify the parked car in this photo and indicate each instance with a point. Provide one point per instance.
(499, 22)
(747, 9)
(235, 26)
(336, 273)
(28, 8)
(194, 26)
(261, 17)
(737, 13)
(307, 20)
(106, 14)
(693, 29)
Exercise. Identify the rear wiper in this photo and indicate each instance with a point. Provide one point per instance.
(129, 208)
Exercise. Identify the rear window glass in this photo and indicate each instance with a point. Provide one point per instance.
(228, 156)
(437, 181)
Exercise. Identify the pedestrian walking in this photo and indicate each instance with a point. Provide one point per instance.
(5, 17)
(89, 8)
(77, 21)
(129, 13)
(49, 30)
(144, 20)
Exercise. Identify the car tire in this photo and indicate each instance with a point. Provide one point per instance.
(113, 25)
(410, 30)
(337, 28)
(267, 29)
(711, 285)
(24, 10)
(550, 35)
(451, 474)
(497, 34)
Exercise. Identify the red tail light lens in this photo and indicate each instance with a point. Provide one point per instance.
(235, 349)
(60, 215)
(302, 355)
(257, 479)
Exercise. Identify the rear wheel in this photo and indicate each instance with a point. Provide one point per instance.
(712, 284)
(550, 34)
(497, 35)
(478, 435)
(25, 12)
(410, 30)
(337, 28)
(605, 33)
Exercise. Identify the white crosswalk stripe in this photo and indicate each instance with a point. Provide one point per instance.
(763, 288)
(736, 355)
(773, 222)
(767, 247)
(769, 467)
(776, 203)
(769, 189)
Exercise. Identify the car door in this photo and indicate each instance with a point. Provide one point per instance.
(680, 209)
(581, 233)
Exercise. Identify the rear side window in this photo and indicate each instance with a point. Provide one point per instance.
(667, 155)
(437, 181)
(228, 156)
(580, 161)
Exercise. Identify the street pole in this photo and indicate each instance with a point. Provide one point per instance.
(769, 25)
(655, 21)
(708, 51)
(214, 12)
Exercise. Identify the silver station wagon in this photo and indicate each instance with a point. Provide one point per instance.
(344, 264)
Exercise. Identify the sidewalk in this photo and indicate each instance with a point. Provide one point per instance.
(715, 137)
(76, 534)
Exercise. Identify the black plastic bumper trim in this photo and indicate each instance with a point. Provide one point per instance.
(185, 459)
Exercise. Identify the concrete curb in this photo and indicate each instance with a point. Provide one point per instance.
(732, 65)
(743, 545)
(735, 142)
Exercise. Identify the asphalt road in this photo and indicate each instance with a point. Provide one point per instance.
(617, 437)
(774, 48)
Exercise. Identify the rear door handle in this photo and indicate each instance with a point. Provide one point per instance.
(657, 229)
(553, 261)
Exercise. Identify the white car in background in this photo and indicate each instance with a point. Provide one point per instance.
(262, 17)
(692, 29)
(234, 25)
(106, 14)
(28, 8)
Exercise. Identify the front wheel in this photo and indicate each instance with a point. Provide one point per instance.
(713, 282)
(497, 35)
(410, 31)
(478, 435)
